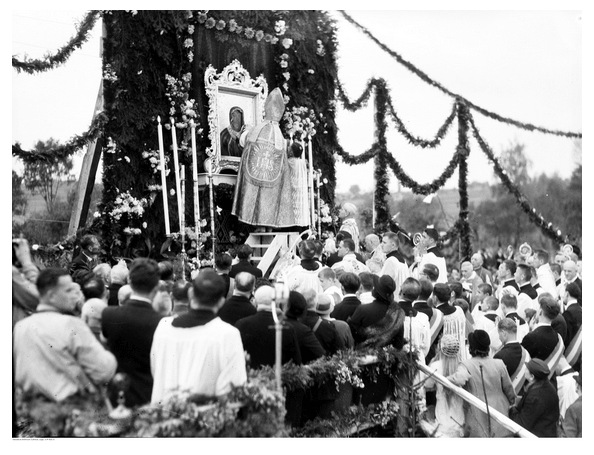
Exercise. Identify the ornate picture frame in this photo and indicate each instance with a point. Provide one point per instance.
(232, 94)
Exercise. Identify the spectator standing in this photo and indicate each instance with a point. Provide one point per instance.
(488, 380)
(240, 304)
(572, 423)
(196, 351)
(324, 330)
(538, 409)
(87, 259)
(449, 410)
(258, 333)
(350, 283)
(309, 345)
(129, 330)
(244, 255)
(56, 356)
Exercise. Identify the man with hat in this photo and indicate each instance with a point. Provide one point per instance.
(371, 313)
(324, 307)
(538, 410)
(432, 255)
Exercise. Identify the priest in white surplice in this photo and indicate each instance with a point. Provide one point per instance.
(197, 352)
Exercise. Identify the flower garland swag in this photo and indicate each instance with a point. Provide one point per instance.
(427, 79)
(463, 151)
(255, 409)
(547, 228)
(49, 62)
(382, 178)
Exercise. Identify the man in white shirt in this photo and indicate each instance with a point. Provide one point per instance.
(570, 273)
(544, 273)
(395, 264)
(198, 352)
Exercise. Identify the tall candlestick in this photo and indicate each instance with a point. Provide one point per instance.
(195, 183)
(310, 184)
(318, 174)
(163, 180)
(182, 218)
(176, 164)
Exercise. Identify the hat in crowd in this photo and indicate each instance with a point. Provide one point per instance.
(538, 368)
(297, 304)
(384, 288)
(324, 308)
(578, 378)
(479, 340)
(449, 345)
(432, 232)
(307, 249)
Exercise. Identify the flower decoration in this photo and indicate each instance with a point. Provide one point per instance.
(126, 204)
(287, 43)
(280, 28)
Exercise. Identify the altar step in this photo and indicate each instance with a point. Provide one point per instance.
(269, 247)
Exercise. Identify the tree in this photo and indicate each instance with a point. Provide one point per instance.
(46, 176)
(573, 205)
(19, 200)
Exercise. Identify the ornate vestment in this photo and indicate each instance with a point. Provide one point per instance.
(263, 194)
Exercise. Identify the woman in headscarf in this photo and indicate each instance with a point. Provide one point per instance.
(487, 379)
(230, 135)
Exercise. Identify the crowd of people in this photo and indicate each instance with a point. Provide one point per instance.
(512, 339)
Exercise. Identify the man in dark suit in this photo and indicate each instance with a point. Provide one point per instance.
(239, 305)
(244, 254)
(538, 409)
(512, 351)
(86, 260)
(350, 283)
(259, 337)
(543, 339)
(129, 330)
(324, 330)
(421, 304)
(370, 313)
(309, 345)
(573, 316)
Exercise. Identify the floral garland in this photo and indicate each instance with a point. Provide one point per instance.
(300, 120)
(33, 66)
(547, 228)
(62, 151)
(463, 151)
(427, 79)
(443, 129)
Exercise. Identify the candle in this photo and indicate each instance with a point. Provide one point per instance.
(163, 180)
(311, 189)
(182, 217)
(176, 164)
(195, 181)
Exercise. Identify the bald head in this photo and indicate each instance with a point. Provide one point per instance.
(263, 298)
(124, 293)
(466, 269)
(371, 242)
(570, 270)
(476, 261)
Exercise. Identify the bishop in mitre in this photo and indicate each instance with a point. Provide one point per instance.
(264, 192)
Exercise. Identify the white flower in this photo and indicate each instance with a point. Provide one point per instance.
(35, 247)
(280, 27)
(127, 159)
(144, 225)
(172, 192)
(287, 43)
(191, 29)
(287, 75)
(96, 215)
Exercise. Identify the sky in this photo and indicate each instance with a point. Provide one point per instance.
(525, 65)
